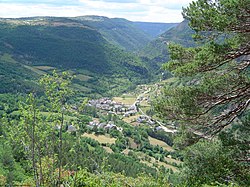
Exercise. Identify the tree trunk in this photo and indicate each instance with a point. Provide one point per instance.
(60, 150)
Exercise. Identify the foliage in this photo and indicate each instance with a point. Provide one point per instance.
(58, 92)
(237, 140)
(43, 152)
(83, 178)
(213, 163)
(11, 172)
(13, 76)
(215, 76)
(57, 89)
(212, 95)
(207, 162)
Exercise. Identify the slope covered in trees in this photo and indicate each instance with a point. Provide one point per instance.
(90, 46)
(155, 53)
(38, 45)
(181, 34)
(117, 31)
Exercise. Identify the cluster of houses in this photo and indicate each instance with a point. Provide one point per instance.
(132, 110)
(145, 119)
(106, 126)
(111, 106)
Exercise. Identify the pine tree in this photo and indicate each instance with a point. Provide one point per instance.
(214, 76)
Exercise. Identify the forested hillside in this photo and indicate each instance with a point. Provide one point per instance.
(155, 53)
(181, 34)
(117, 31)
(90, 46)
(38, 45)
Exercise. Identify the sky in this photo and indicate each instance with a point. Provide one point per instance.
(166, 11)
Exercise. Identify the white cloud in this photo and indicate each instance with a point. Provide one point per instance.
(20, 10)
(171, 4)
(134, 10)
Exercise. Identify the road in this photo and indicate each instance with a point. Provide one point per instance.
(149, 117)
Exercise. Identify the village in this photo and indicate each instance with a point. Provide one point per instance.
(109, 106)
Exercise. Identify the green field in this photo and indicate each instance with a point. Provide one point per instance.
(7, 58)
(131, 119)
(81, 88)
(82, 77)
(101, 138)
(35, 70)
(154, 161)
(125, 100)
(44, 68)
(165, 146)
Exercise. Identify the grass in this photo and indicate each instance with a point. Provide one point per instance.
(125, 100)
(82, 77)
(37, 71)
(170, 80)
(130, 119)
(107, 149)
(84, 72)
(165, 146)
(125, 151)
(81, 88)
(144, 104)
(154, 161)
(166, 165)
(40, 70)
(7, 58)
(171, 160)
(145, 109)
(44, 68)
(101, 138)
(132, 143)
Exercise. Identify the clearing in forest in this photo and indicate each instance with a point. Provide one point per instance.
(154, 141)
(101, 138)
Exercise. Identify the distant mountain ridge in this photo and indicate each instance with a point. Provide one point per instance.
(117, 31)
(154, 29)
(181, 34)
(156, 51)
(128, 35)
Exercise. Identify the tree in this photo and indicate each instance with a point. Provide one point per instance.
(213, 92)
(58, 92)
(208, 162)
(31, 132)
(215, 82)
